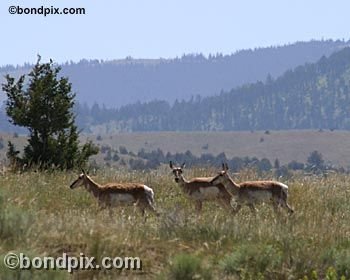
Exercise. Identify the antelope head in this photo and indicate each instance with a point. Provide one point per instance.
(222, 175)
(177, 171)
(80, 181)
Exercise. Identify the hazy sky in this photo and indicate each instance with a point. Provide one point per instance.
(159, 28)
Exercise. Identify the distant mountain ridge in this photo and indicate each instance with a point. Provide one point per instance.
(312, 96)
(120, 82)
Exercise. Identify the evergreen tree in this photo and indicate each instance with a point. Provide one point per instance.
(276, 164)
(315, 161)
(44, 107)
(12, 154)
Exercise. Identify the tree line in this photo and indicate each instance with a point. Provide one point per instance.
(313, 96)
(149, 160)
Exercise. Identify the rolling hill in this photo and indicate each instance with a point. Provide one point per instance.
(120, 82)
(312, 96)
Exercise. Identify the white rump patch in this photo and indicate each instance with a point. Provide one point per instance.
(121, 198)
(148, 189)
(284, 186)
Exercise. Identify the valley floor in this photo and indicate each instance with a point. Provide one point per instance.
(285, 145)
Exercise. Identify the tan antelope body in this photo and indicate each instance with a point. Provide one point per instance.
(201, 189)
(254, 192)
(118, 194)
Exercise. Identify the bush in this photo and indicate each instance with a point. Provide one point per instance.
(105, 148)
(283, 171)
(343, 267)
(137, 164)
(264, 165)
(294, 165)
(115, 157)
(252, 260)
(123, 150)
(108, 156)
(342, 262)
(188, 267)
(14, 223)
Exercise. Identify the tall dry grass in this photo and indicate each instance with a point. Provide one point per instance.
(41, 216)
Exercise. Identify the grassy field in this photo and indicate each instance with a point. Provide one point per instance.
(285, 145)
(41, 216)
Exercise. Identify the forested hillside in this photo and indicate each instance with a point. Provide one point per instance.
(121, 82)
(175, 91)
(311, 96)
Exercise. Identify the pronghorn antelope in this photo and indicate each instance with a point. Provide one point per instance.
(253, 192)
(118, 194)
(201, 189)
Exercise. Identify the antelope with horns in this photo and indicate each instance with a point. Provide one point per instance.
(118, 194)
(253, 192)
(201, 189)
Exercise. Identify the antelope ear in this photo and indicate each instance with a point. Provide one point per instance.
(171, 164)
(183, 165)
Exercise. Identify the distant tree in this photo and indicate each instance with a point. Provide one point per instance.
(108, 156)
(236, 164)
(137, 164)
(264, 165)
(104, 148)
(315, 161)
(123, 150)
(206, 158)
(283, 171)
(44, 107)
(12, 155)
(220, 158)
(116, 157)
(276, 164)
(294, 165)
(132, 154)
(269, 79)
(152, 164)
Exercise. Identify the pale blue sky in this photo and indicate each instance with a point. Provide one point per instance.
(159, 28)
